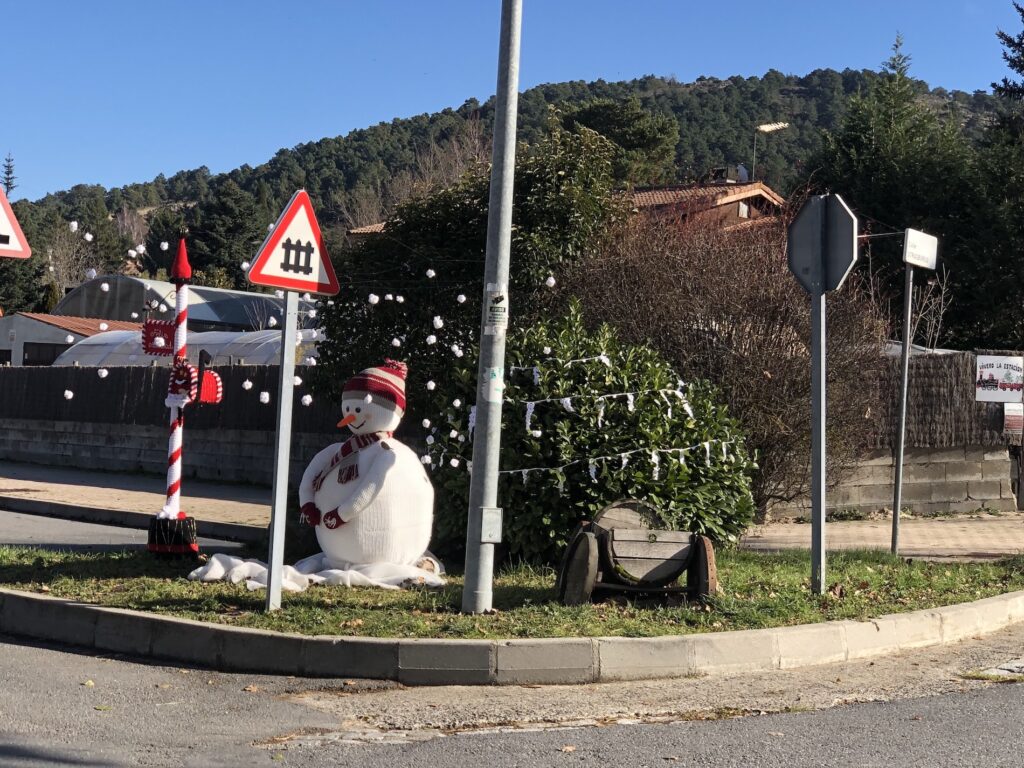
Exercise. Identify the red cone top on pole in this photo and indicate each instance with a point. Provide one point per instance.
(181, 270)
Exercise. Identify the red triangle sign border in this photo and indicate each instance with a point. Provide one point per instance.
(300, 200)
(18, 235)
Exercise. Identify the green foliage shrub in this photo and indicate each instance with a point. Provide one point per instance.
(599, 452)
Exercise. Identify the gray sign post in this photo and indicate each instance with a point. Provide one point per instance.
(919, 250)
(821, 250)
(484, 524)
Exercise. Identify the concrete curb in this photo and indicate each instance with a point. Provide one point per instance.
(124, 519)
(501, 662)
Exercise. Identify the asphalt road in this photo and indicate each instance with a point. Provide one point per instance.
(55, 533)
(143, 714)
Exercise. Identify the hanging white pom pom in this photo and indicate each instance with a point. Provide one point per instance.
(270, 227)
(245, 266)
(424, 459)
(431, 339)
(307, 296)
(164, 245)
(264, 397)
(88, 237)
(298, 381)
(389, 297)
(159, 342)
(69, 339)
(154, 304)
(135, 315)
(431, 273)
(103, 326)
(104, 287)
(140, 248)
(426, 423)
(429, 440)
(431, 385)
(453, 434)
(90, 274)
(68, 394)
(547, 350)
(247, 385)
(550, 282)
(457, 350)
(454, 463)
(537, 433)
(163, 307)
(311, 314)
(330, 302)
(307, 399)
(272, 321)
(73, 226)
(50, 267)
(132, 253)
(396, 343)
(461, 298)
(309, 361)
(462, 438)
(400, 299)
(373, 298)
(457, 403)
(438, 322)
(102, 373)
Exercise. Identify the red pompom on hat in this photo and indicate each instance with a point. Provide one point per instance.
(382, 382)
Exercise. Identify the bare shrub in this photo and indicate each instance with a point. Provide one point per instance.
(721, 304)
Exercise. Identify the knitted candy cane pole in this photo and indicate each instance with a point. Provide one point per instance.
(181, 273)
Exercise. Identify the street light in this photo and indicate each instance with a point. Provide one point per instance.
(763, 128)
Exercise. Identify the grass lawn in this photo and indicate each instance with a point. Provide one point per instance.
(760, 590)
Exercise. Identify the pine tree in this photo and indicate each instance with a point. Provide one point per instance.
(9, 179)
(1013, 55)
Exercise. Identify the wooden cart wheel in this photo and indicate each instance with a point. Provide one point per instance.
(560, 576)
(580, 570)
(628, 513)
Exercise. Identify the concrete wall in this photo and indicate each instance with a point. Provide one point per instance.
(935, 481)
(232, 455)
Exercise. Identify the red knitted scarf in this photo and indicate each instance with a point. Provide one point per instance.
(350, 446)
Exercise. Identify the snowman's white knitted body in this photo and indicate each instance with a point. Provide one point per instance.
(385, 500)
(373, 501)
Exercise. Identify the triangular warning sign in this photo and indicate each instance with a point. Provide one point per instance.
(293, 256)
(13, 244)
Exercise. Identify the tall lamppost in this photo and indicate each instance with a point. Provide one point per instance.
(763, 128)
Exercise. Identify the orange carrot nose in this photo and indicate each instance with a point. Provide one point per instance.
(347, 420)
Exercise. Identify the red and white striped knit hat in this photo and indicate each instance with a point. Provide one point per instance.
(382, 382)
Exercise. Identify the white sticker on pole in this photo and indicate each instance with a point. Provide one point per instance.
(920, 250)
(497, 310)
(494, 391)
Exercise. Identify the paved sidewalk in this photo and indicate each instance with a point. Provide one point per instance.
(138, 493)
(980, 537)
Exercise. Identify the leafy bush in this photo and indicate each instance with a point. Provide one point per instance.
(570, 457)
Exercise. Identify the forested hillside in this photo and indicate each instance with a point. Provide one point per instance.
(357, 178)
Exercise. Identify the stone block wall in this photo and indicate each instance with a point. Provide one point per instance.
(231, 455)
(935, 481)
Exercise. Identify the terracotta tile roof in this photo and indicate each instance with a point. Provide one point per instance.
(83, 326)
(369, 229)
(703, 196)
(760, 221)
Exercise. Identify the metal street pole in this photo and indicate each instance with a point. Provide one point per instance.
(908, 292)
(282, 450)
(818, 442)
(484, 524)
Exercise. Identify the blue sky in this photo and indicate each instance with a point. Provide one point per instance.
(113, 92)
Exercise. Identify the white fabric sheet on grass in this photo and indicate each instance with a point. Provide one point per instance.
(315, 570)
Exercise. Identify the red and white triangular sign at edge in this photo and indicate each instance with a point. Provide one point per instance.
(293, 256)
(13, 244)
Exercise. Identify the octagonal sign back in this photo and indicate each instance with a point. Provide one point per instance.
(822, 246)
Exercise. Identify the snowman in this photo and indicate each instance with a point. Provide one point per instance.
(369, 498)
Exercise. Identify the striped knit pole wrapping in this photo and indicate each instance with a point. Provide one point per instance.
(181, 272)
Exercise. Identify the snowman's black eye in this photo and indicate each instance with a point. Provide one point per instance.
(359, 410)
(348, 408)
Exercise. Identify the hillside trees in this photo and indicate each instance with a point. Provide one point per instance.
(1013, 55)
(8, 180)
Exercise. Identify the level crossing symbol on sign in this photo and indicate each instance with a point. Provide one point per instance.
(13, 244)
(293, 256)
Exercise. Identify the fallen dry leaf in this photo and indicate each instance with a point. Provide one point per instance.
(568, 748)
(89, 684)
(251, 688)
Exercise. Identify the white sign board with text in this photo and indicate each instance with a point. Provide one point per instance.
(999, 379)
(920, 250)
